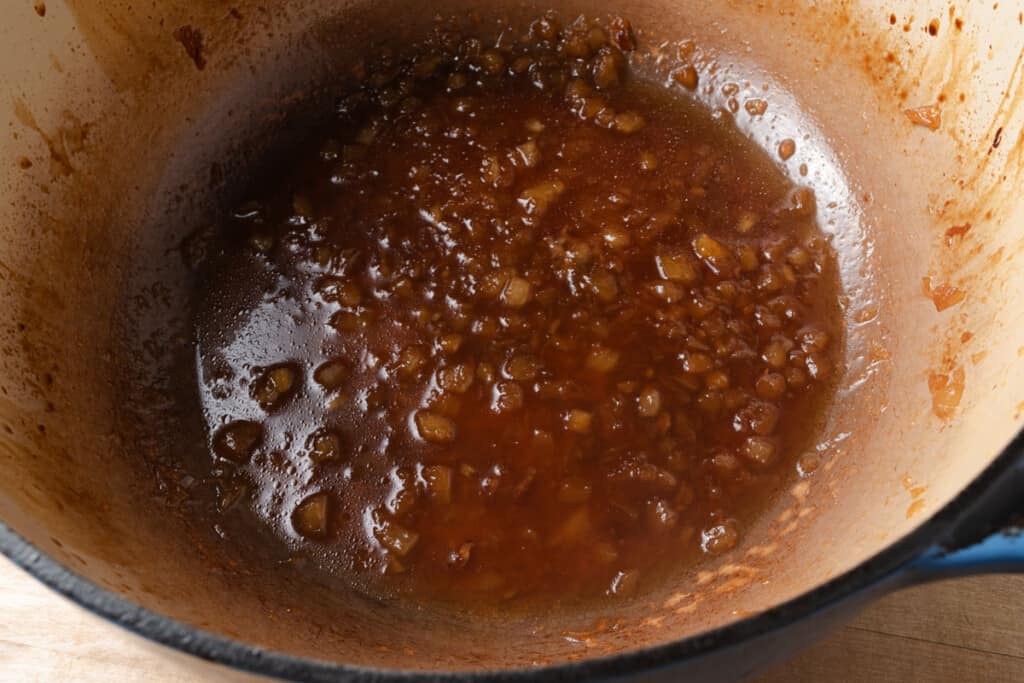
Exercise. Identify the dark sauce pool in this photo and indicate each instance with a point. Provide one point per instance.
(516, 325)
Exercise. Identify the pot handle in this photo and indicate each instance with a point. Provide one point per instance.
(987, 537)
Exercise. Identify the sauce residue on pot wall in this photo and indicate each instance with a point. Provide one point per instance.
(943, 295)
(68, 140)
(932, 63)
(929, 116)
(191, 39)
(916, 491)
(946, 390)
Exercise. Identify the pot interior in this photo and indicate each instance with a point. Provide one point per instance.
(124, 140)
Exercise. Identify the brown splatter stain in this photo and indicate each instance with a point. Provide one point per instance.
(915, 508)
(928, 116)
(60, 161)
(956, 233)
(946, 296)
(913, 488)
(787, 148)
(24, 163)
(988, 187)
(866, 314)
(933, 27)
(985, 180)
(943, 296)
(946, 389)
(40, 8)
(73, 132)
(192, 40)
(879, 352)
(756, 107)
(998, 139)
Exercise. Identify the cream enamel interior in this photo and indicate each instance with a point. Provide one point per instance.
(111, 131)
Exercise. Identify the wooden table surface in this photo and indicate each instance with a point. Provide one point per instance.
(963, 630)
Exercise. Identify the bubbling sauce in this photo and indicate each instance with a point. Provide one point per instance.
(516, 324)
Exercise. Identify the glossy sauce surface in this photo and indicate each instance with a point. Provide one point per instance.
(516, 325)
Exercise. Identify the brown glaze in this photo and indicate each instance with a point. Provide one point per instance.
(517, 325)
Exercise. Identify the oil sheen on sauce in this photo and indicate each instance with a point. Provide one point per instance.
(515, 325)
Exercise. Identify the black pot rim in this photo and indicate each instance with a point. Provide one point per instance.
(205, 645)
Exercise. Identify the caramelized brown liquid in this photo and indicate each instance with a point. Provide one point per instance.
(516, 325)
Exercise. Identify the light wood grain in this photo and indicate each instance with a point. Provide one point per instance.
(965, 630)
(45, 638)
(960, 630)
